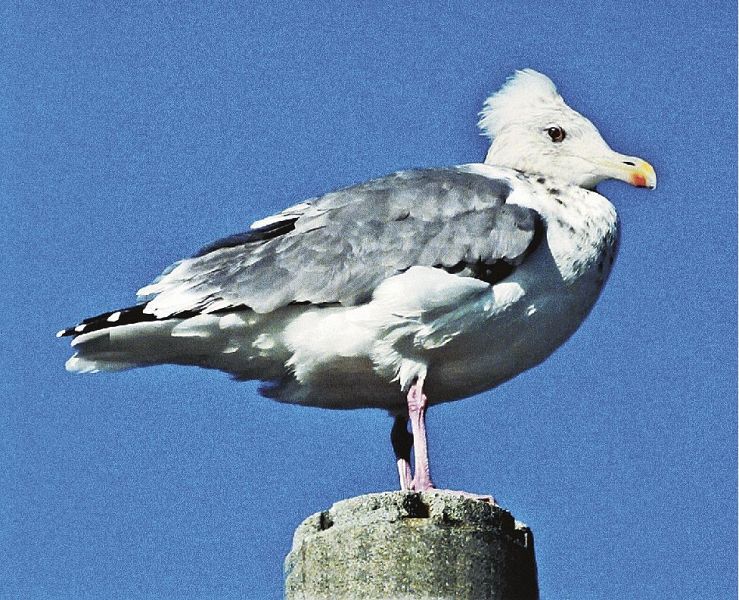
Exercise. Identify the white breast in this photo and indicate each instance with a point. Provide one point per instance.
(560, 282)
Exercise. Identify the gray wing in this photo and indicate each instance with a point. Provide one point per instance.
(339, 247)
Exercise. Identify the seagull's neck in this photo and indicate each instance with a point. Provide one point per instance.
(501, 157)
(496, 158)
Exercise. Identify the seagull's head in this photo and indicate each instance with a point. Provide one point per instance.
(533, 130)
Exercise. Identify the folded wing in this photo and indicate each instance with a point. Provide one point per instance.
(338, 248)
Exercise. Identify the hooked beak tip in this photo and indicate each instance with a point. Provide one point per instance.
(642, 174)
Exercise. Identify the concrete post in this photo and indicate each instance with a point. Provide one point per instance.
(402, 545)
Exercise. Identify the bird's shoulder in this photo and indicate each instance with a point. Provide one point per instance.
(426, 194)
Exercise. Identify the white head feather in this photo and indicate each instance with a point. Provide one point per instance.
(525, 94)
(519, 119)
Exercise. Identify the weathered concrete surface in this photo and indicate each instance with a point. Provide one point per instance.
(401, 545)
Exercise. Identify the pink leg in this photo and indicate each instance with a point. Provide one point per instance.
(417, 413)
(402, 443)
(404, 473)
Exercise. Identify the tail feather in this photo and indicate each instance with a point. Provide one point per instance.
(123, 339)
(131, 338)
(126, 346)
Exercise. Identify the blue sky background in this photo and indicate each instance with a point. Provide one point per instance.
(133, 135)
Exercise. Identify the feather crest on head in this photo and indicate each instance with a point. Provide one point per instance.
(527, 92)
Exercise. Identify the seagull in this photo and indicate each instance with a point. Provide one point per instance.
(414, 289)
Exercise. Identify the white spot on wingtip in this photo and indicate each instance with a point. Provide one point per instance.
(60, 333)
(114, 317)
(531, 310)
(79, 328)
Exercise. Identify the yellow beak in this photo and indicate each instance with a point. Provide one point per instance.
(630, 169)
(642, 174)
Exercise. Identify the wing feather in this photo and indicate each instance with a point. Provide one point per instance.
(338, 248)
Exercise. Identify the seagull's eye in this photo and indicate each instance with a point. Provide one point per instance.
(556, 133)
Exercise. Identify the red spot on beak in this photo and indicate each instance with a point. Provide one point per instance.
(638, 180)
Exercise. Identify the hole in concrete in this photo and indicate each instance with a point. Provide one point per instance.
(325, 521)
(449, 517)
(415, 507)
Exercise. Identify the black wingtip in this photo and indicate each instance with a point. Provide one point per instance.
(116, 318)
(113, 318)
